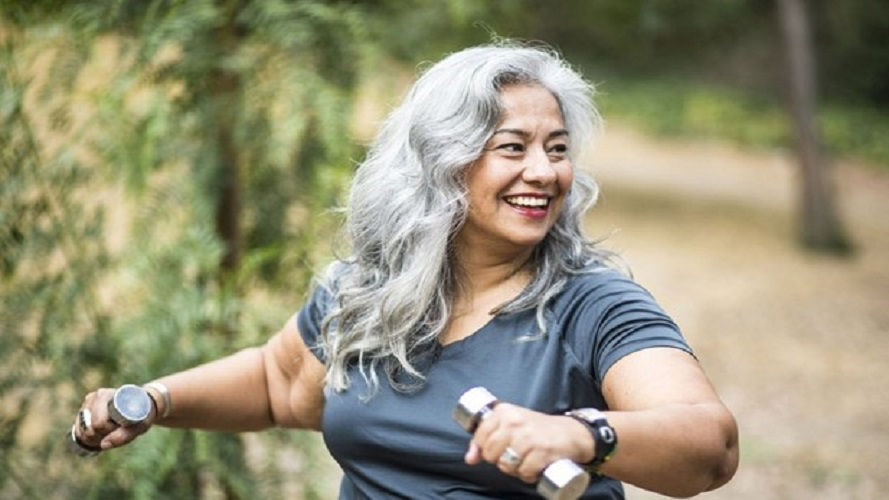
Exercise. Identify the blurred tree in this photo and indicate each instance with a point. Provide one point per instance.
(820, 227)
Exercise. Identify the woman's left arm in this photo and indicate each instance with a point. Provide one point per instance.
(675, 436)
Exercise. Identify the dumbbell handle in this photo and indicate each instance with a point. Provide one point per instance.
(560, 480)
(130, 405)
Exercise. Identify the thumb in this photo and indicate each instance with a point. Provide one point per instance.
(123, 435)
(473, 454)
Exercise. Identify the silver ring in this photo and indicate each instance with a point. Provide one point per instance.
(85, 420)
(79, 448)
(510, 457)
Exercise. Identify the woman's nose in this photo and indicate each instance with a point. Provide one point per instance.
(538, 169)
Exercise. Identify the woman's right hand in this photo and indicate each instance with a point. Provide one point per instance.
(95, 428)
(535, 439)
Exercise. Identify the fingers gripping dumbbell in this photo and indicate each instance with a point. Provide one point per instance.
(560, 480)
(130, 405)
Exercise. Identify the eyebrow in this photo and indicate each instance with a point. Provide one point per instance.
(522, 133)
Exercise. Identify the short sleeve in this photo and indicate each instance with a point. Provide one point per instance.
(613, 316)
(310, 317)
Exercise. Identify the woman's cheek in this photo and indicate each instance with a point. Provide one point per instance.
(566, 179)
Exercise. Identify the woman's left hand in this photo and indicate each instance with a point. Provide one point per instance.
(534, 440)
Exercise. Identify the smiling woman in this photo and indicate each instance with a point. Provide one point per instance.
(469, 268)
(517, 186)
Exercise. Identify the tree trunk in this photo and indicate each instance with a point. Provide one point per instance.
(225, 100)
(228, 204)
(819, 226)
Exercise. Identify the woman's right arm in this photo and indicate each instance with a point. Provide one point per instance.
(278, 384)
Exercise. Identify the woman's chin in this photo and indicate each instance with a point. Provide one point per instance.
(527, 241)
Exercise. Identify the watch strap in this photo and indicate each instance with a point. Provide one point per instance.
(604, 435)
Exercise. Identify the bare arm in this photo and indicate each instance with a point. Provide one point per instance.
(675, 436)
(279, 384)
(276, 384)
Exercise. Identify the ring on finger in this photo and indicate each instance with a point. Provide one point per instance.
(510, 457)
(85, 420)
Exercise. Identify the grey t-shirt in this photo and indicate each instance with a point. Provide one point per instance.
(399, 445)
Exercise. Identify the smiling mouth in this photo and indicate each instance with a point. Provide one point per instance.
(523, 201)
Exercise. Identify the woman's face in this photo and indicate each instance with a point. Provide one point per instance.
(518, 184)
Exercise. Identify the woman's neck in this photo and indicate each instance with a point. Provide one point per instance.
(485, 282)
(485, 273)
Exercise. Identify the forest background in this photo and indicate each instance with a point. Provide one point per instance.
(169, 172)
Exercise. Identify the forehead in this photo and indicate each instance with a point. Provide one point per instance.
(529, 104)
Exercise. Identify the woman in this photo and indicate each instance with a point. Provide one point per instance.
(469, 268)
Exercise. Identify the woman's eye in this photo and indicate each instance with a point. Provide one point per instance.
(559, 149)
(512, 147)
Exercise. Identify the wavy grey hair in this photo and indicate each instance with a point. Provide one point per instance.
(393, 297)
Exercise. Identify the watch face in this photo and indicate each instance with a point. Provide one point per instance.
(132, 402)
(607, 434)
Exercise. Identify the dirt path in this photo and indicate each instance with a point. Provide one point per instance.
(795, 342)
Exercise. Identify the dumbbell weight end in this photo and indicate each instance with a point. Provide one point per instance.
(130, 405)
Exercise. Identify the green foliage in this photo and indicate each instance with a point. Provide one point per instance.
(427, 30)
(681, 108)
(678, 108)
(856, 131)
(111, 120)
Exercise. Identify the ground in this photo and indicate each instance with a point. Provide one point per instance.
(793, 341)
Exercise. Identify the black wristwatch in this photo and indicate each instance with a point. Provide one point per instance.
(603, 435)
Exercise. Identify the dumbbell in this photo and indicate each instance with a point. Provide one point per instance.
(560, 480)
(130, 405)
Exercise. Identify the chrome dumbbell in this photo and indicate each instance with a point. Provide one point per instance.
(560, 480)
(130, 405)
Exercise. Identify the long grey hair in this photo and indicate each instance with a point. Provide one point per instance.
(392, 298)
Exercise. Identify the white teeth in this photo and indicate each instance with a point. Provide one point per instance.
(528, 201)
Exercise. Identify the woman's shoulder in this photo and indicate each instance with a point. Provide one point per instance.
(595, 279)
(598, 287)
(324, 286)
(333, 277)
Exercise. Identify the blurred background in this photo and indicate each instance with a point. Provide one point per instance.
(169, 170)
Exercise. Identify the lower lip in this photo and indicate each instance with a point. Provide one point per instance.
(531, 213)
